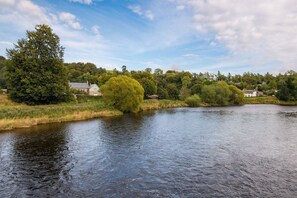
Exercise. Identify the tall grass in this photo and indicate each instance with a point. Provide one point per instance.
(161, 104)
(14, 115)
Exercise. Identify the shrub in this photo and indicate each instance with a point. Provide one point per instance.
(193, 101)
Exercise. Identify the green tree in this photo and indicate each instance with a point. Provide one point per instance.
(124, 93)
(2, 72)
(287, 87)
(196, 89)
(149, 86)
(162, 93)
(236, 96)
(216, 94)
(36, 74)
(172, 91)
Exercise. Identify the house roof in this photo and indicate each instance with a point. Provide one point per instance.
(248, 91)
(79, 85)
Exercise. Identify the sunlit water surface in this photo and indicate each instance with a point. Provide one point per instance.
(248, 151)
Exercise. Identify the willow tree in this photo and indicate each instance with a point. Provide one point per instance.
(36, 74)
(124, 93)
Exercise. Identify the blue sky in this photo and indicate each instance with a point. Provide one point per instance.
(194, 35)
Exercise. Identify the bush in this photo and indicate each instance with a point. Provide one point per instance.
(216, 94)
(193, 101)
(124, 93)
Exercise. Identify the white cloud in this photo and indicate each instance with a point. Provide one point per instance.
(139, 11)
(70, 20)
(191, 55)
(4, 3)
(180, 7)
(24, 15)
(88, 2)
(136, 9)
(266, 29)
(96, 29)
(149, 15)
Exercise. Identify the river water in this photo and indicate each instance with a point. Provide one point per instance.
(248, 151)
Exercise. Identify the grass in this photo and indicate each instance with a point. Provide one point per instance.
(161, 104)
(267, 100)
(14, 115)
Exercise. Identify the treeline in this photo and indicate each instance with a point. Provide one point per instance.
(180, 85)
(217, 88)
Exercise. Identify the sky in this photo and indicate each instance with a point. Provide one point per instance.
(192, 35)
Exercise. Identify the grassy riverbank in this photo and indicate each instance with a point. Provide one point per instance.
(267, 100)
(15, 115)
(161, 104)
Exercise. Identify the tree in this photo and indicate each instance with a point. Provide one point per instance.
(124, 93)
(36, 74)
(149, 86)
(2, 72)
(172, 91)
(216, 94)
(287, 87)
(236, 96)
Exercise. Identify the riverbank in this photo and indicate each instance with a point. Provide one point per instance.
(267, 100)
(15, 115)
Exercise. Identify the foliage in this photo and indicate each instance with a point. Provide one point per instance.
(184, 93)
(193, 101)
(36, 74)
(2, 72)
(196, 89)
(162, 93)
(84, 72)
(220, 93)
(124, 93)
(288, 88)
(149, 86)
(172, 91)
(237, 96)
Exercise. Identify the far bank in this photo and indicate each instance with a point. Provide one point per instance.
(15, 115)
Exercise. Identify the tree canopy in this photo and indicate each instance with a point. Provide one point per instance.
(287, 87)
(35, 72)
(124, 93)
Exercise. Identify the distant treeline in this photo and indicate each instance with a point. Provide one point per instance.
(180, 85)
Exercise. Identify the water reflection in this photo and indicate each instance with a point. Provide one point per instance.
(37, 161)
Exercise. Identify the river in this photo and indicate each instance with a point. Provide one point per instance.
(247, 151)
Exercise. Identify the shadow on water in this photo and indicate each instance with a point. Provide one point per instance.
(37, 161)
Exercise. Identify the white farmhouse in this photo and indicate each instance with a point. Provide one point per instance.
(94, 90)
(250, 93)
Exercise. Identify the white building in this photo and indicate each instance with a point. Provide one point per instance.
(252, 93)
(94, 90)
